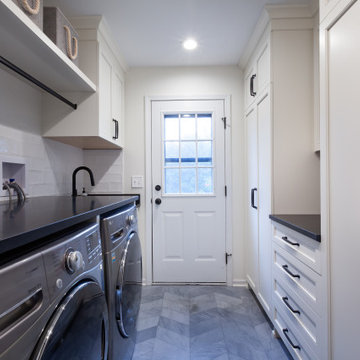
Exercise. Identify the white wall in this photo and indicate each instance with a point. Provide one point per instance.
(141, 82)
(49, 164)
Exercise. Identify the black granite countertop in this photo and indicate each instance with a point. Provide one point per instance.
(308, 225)
(39, 217)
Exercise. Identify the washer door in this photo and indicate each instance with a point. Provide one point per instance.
(79, 327)
(128, 287)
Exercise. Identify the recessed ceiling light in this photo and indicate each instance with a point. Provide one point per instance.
(190, 44)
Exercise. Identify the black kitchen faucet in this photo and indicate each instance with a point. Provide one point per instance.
(74, 191)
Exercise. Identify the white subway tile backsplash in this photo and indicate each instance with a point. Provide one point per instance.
(107, 166)
(48, 164)
(35, 177)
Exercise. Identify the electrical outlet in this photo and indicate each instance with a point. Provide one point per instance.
(137, 181)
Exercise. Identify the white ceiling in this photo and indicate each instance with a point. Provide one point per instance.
(150, 32)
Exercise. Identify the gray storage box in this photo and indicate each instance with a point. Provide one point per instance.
(54, 27)
(33, 9)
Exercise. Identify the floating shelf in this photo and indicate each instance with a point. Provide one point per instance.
(25, 45)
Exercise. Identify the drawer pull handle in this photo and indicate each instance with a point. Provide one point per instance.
(286, 268)
(290, 242)
(285, 331)
(286, 301)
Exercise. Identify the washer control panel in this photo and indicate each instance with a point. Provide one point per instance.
(71, 256)
(93, 246)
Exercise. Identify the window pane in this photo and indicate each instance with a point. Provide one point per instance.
(171, 127)
(171, 181)
(188, 153)
(205, 180)
(188, 129)
(188, 181)
(171, 153)
(204, 127)
(205, 153)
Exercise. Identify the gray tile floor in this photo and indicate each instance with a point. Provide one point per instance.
(203, 323)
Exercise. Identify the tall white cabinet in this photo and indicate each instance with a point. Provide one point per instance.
(283, 171)
(340, 154)
(258, 124)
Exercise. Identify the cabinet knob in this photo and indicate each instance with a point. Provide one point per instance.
(158, 201)
(157, 187)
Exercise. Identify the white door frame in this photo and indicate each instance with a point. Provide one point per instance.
(148, 180)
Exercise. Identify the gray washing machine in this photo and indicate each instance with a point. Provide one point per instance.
(53, 303)
(123, 278)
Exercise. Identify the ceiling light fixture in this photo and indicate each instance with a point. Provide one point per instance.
(190, 44)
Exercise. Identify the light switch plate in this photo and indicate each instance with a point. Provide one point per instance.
(137, 181)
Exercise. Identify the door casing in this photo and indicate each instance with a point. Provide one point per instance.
(148, 280)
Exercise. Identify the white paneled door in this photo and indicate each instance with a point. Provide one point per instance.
(188, 185)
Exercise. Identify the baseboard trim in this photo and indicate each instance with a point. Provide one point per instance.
(190, 283)
(239, 282)
(235, 283)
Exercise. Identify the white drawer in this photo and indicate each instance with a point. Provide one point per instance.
(300, 246)
(298, 277)
(301, 316)
(297, 346)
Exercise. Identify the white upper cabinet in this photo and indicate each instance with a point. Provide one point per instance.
(98, 121)
(257, 74)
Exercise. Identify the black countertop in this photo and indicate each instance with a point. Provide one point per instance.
(308, 225)
(40, 217)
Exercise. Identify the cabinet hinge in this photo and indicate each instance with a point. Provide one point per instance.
(224, 121)
(225, 190)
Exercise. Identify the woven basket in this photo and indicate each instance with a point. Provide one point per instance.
(58, 28)
(33, 9)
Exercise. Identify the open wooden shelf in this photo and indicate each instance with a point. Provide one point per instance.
(25, 45)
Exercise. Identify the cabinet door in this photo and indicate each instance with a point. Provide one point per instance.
(252, 213)
(264, 193)
(105, 101)
(117, 106)
(258, 74)
(343, 181)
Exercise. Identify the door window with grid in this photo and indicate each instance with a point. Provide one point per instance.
(188, 160)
